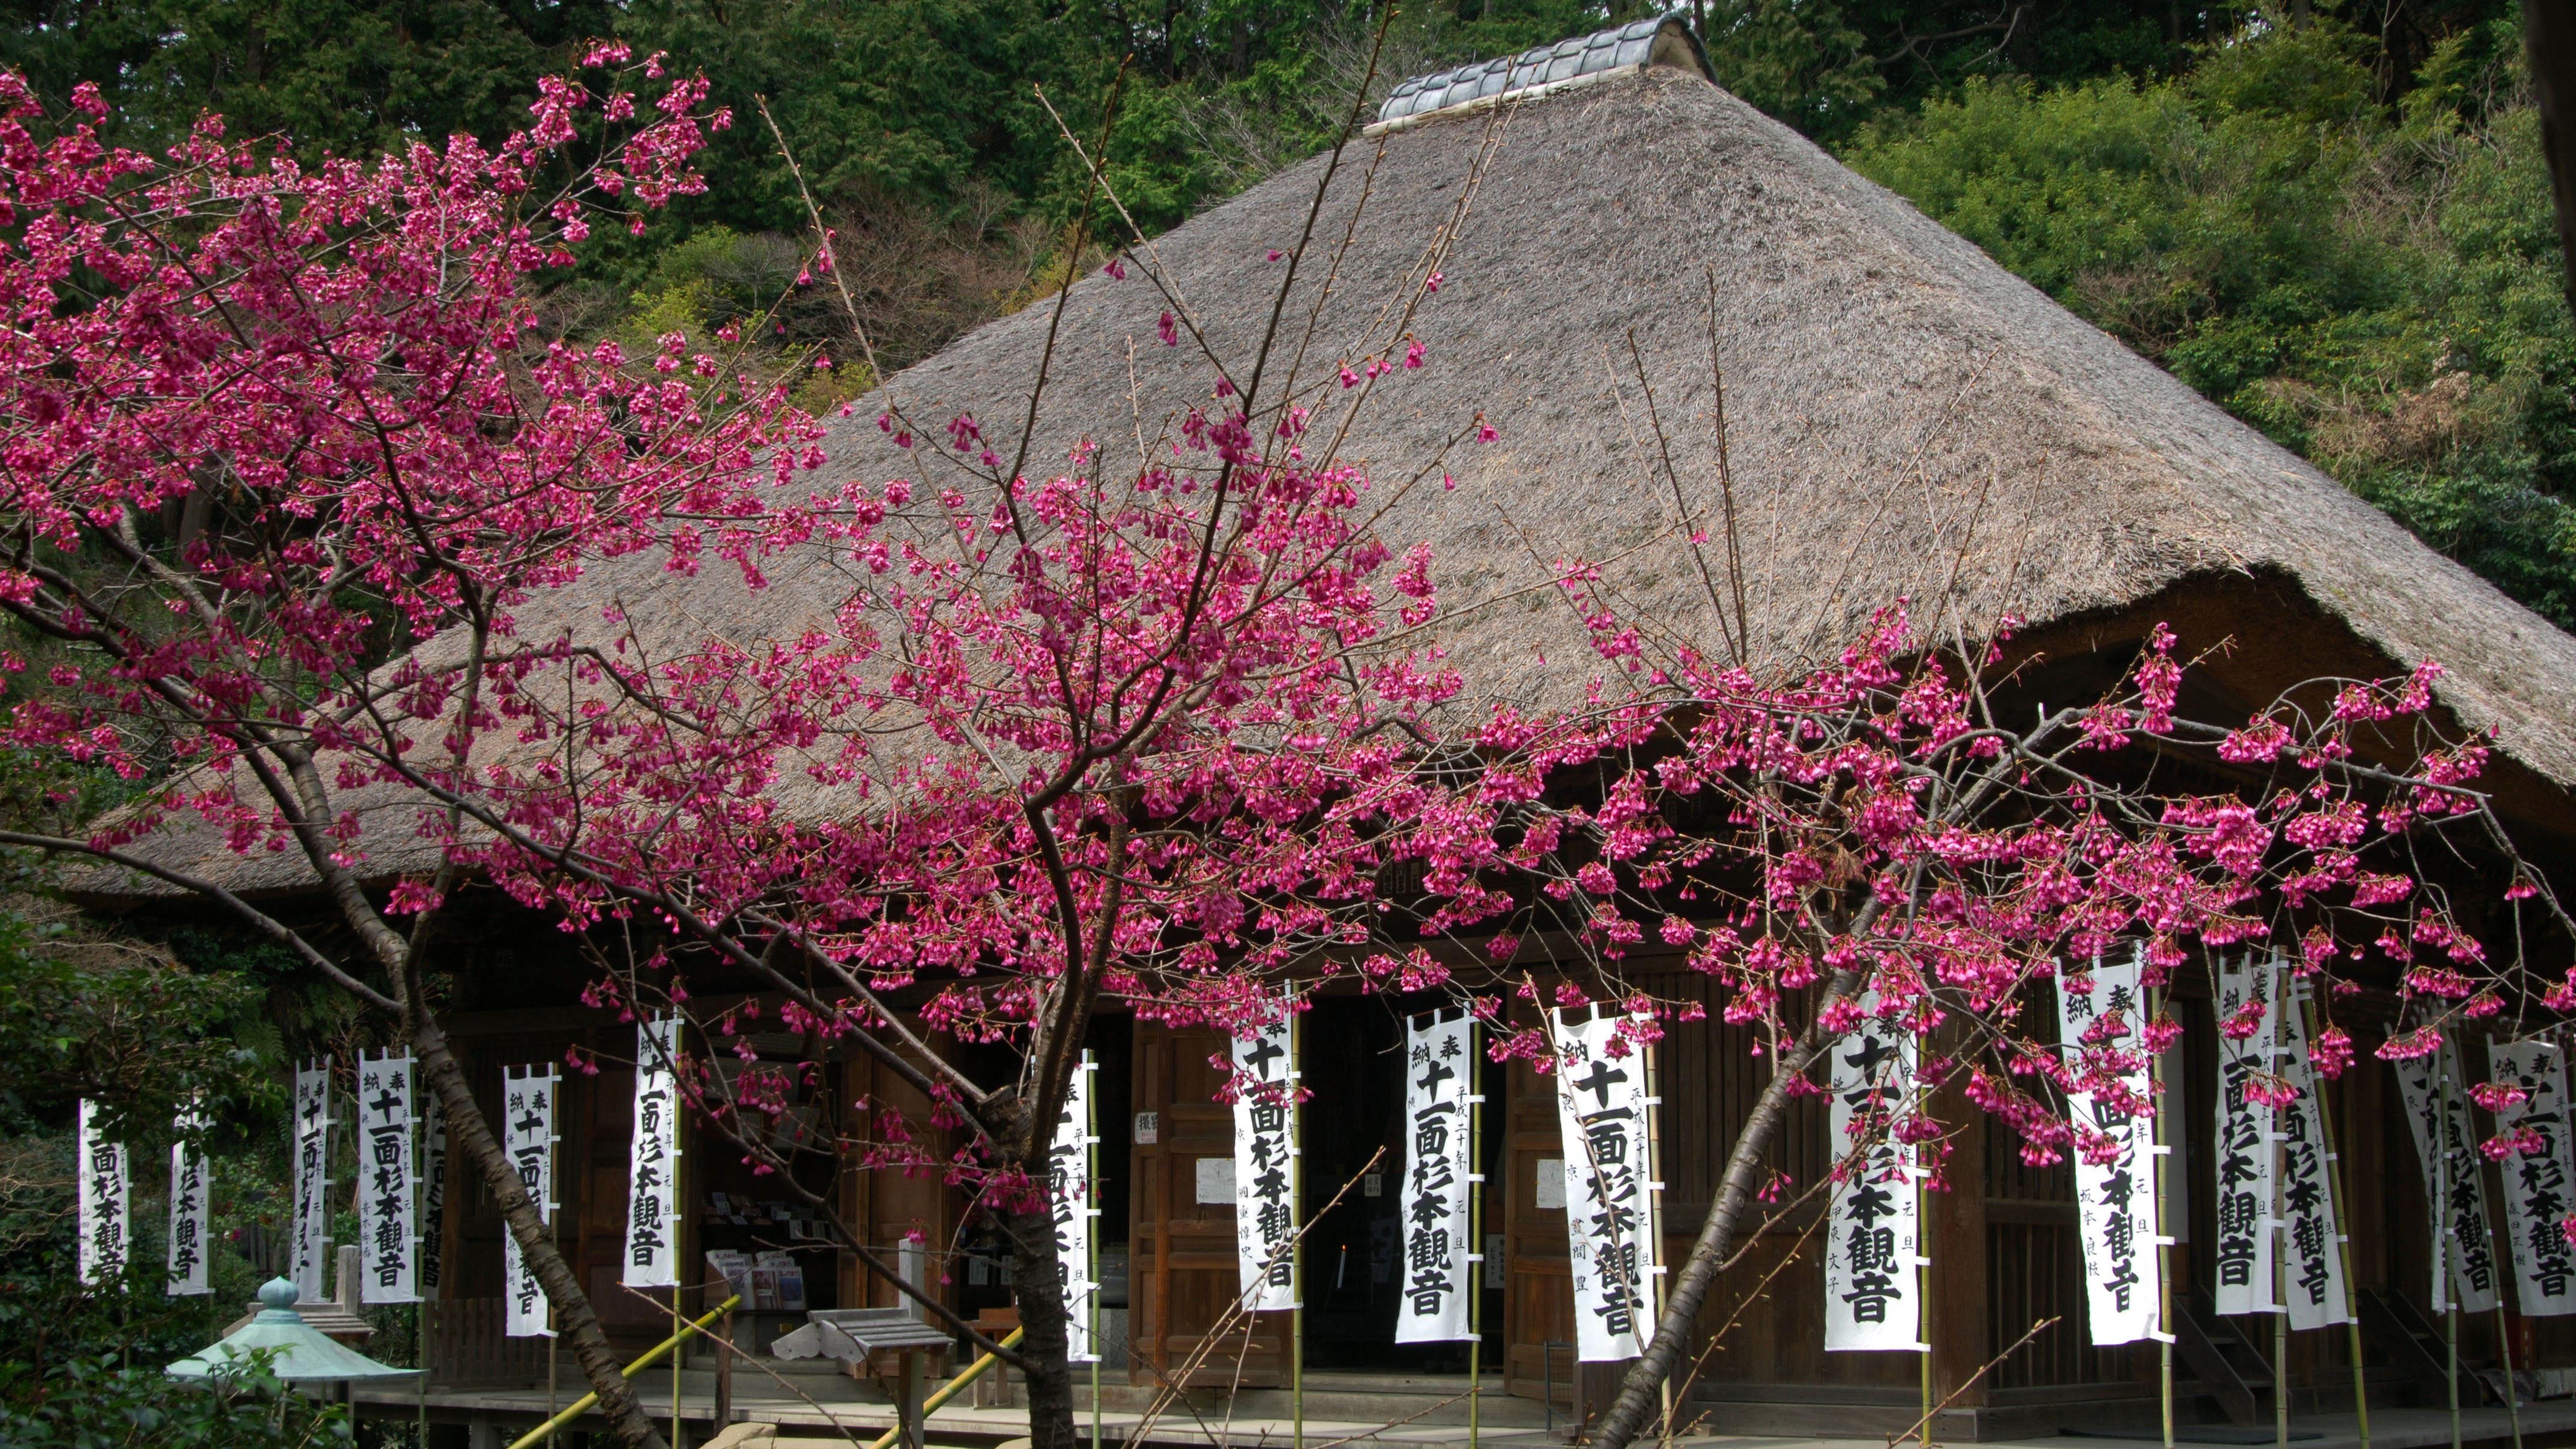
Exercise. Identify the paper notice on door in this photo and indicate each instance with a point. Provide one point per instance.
(1551, 1184)
(1216, 1179)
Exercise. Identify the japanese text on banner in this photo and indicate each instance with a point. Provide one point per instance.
(2311, 1235)
(191, 1203)
(2536, 1181)
(1439, 1081)
(386, 1183)
(433, 1196)
(105, 1187)
(309, 1242)
(2462, 1237)
(1609, 1217)
(1069, 1184)
(2115, 1161)
(528, 1139)
(653, 1160)
(2248, 1140)
(1873, 1234)
(1265, 1205)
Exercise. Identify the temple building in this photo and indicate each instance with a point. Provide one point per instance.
(1614, 236)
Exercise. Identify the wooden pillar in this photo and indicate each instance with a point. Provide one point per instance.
(1954, 1235)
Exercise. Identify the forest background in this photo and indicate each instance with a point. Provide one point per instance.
(2333, 220)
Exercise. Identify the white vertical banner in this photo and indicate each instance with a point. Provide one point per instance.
(192, 1196)
(2311, 1233)
(1873, 1232)
(1436, 1265)
(652, 1160)
(309, 1235)
(387, 1185)
(1265, 1181)
(105, 1187)
(1069, 1201)
(528, 1137)
(2248, 1144)
(1609, 1218)
(2536, 1180)
(433, 1194)
(2115, 1160)
(2462, 1235)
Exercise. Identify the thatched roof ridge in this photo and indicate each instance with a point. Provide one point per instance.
(1906, 419)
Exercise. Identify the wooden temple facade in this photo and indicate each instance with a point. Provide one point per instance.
(2002, 1237)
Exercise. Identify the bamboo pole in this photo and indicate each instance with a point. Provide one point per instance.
(2164, 1231)
(681, 1202)
(950, 1390)
(1297, 1244)
(652, 1356)
(1091, 1204)
(2343, 1245)
(1476, 1237)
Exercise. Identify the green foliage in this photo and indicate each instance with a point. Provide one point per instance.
(350, 75)
(2378, 288)
(100, 1403)
(126, 1026)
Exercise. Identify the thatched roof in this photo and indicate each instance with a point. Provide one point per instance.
(1906, 417)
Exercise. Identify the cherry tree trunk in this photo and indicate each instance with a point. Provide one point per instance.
(1038, 1285)
(574, 1320)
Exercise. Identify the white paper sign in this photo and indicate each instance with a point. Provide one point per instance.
(1212, 1181)
(2248, 1141)
(2311, 1232)
(2463, 1238)
(309, 1245)
(528, 1137)
(1069, 1199)
(2536, 1183)
(386, 1182)
(653, 1160)
(1265, 1171)
(2115, 1197)
(105, 1186)
(1609, 1212)
(433, 1196)
(1439, 1081)
(1873, 1232)
(1547, 1194)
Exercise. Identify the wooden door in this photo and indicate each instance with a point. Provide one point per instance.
(1182, 1276)
(1538, 1290)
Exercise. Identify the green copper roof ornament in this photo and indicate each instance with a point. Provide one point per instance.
(302, 1353)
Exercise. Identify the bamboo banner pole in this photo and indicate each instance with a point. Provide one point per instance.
(2164, 1231)
(1297, 1244)
(2505, 1349)
(1654, 1200)
(2343, 1222)
(1090, 1204)
(1476, 1238)
(652, 1356)
(680, 1201)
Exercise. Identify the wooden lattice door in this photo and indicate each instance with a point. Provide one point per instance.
(1182, 1280)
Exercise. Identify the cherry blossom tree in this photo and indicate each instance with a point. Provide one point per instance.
(268, 426)
(305, 515)
(1877, 831)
